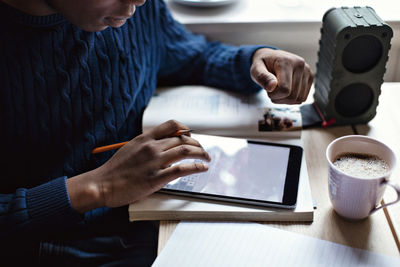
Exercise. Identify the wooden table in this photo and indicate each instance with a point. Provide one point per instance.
(386, 127)
(380, 232)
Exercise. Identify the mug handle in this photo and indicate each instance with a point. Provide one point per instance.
(396, 188)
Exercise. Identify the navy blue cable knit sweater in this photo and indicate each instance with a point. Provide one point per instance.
(64, 91)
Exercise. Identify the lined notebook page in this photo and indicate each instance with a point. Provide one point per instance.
(251, 244)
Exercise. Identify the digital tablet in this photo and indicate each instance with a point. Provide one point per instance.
(243, 171)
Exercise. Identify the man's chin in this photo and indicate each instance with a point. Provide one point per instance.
(93, 28)
(107, 23)
(114, 22)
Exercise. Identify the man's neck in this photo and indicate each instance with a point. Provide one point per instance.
(32, 7)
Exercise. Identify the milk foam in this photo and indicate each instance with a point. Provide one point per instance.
(361, 165)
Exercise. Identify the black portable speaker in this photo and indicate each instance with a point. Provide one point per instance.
(353, 51)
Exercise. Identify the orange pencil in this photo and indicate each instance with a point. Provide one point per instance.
(181, 132)
(118, 145)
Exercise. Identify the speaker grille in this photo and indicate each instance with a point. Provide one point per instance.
(362, 54)
(354, 99)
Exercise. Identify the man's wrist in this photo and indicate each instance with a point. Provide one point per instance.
(84, 193)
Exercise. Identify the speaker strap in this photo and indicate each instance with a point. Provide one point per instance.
(311, 116)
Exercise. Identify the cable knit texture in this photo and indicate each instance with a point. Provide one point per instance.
(64, 91)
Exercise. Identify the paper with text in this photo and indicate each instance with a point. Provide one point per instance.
(251, 244)
(209, 110)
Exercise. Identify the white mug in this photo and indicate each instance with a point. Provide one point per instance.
(357, 197)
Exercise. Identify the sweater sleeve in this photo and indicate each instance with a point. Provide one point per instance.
(38, 209)
(191, 59)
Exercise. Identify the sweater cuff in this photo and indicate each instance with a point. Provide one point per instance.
(246, 59)
(49, 204)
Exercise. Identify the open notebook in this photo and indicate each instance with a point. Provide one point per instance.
(251, 244)
(213, 111)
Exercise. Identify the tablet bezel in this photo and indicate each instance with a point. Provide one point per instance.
(290, 191)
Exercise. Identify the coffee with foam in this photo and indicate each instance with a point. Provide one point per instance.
(361, 165)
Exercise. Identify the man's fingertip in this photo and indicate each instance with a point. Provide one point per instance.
(205, 166)
(201, 166)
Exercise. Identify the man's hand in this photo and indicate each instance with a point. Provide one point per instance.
(138, 169)
(286, 77)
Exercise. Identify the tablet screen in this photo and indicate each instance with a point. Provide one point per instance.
(239, 169)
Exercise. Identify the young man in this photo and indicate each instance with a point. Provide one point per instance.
(78, 74)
